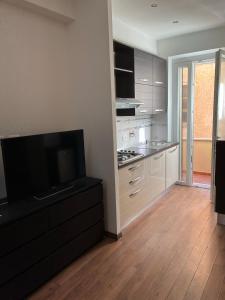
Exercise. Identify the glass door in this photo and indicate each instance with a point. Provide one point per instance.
(185, 79)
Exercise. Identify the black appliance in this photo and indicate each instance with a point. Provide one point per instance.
(42, 165)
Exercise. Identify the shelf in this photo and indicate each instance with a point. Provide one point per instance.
(45, 8)
(123, 70)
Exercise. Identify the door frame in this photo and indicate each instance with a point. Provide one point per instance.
(174, 95)
(189, 144)
(219, 54)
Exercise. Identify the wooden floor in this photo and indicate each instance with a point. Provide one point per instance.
(202, 178)
(175, 252)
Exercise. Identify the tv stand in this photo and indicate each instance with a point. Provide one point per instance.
(55, 193)
(40, 238)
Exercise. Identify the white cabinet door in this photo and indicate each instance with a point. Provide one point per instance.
(172, 166)
(156, 170)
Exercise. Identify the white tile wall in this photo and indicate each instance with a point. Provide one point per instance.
(132, 131)
(159, 127)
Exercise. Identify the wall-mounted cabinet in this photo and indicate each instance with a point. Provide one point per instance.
(144, 93)
(124, 70)
(142, 76)
(150, 79)
(159, 71)
(159, 99)
(143, 67)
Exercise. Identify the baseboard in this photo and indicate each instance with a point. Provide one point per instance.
(221, 219)
(201, 173)
(113, 235)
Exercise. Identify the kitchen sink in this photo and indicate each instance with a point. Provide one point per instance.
(154, 145)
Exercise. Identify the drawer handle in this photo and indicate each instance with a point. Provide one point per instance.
(173, 150)
(135, 180)
(135, 193)
(134, 168)
(158, 157)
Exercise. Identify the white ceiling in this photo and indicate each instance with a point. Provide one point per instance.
(193, 15)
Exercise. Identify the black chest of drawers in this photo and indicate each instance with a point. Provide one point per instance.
(40, 238)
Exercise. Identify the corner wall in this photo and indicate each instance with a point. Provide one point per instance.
(56, 77)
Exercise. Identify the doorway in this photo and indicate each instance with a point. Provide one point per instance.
(204, 79)
(195, 81)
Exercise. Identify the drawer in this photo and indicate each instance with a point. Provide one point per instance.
(74, 205)
(134, 172)
(22, 231)
(33, 278)
(24, 257)
(129, 186)
(131, 206)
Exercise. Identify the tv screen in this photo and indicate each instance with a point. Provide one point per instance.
(38, 165)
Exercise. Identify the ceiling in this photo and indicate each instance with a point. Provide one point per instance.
(157, 23)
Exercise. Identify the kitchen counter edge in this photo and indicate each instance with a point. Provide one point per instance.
(147, 152)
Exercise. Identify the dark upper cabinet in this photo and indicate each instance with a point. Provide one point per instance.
(124, 84)
(124, 70)
(159, 71)
(143, 63)
(123, 57)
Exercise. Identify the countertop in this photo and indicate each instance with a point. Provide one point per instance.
(146, 151)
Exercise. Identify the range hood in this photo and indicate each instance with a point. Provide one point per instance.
(126, 102)
(126, 106)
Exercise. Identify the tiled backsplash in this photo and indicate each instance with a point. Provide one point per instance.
(159, 127)
(132, 131)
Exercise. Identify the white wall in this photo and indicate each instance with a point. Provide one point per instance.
(132, 37)
(61, 9)
(192, 42)
(57, 77)
(92, 79)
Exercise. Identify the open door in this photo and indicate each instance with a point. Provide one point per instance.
(218, 151)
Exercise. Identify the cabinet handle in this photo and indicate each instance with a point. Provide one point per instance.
(135, 193)
(158, 82)
(143, 79)
(143, 111)
(173, 150)
(158, 157)
(158, 110)
(134, 168)
(135, 180)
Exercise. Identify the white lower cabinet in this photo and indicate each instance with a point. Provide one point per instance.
(131, 189)
(143, 181)
(156, 174)
(172, 166)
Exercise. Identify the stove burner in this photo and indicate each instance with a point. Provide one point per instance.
(126, 156)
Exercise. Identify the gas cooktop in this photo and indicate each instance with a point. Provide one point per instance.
(127, 156)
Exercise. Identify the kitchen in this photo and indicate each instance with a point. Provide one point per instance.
(148, 162)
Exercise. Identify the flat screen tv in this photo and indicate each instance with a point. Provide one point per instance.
(42, 165)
